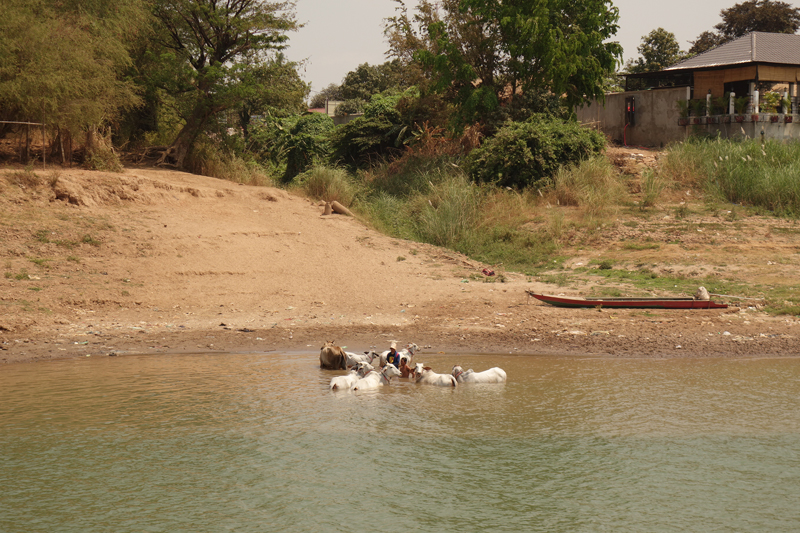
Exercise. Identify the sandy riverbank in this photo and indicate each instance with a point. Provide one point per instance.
(153, 261)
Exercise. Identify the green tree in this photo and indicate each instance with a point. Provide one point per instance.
(331, 92)
(63, 62)
(758, 15)
(363, 82)
(705, 42)
(218, 46)
(276, 89)
(659, 50)
(483, 52)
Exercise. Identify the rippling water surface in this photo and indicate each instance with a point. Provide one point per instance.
(256, 442)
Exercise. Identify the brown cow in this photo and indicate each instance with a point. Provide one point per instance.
(332, 357)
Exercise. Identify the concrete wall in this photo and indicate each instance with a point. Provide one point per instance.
(727, 127)
(344, 119)
(656, 117)
(657, 120)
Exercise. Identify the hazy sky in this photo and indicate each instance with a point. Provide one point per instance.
(340, 35)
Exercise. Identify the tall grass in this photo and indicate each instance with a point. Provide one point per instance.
(431, 199)
(448, 214)
(387, 214)
(741, 172)
(593, 185)
(328, 184)
(411, 174)
(435, 202)
(209, 160)
(652, 187)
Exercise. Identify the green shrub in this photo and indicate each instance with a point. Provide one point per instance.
(103, 158)
(769, 102)
(366, 140)
(268, 138)
(307, 142)
(523, 153)
(383, 106)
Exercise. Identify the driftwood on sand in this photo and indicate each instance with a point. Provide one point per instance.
(336, 207)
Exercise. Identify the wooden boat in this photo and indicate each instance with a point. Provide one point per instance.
(637, 303)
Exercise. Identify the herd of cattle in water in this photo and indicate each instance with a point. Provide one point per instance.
(363, 374)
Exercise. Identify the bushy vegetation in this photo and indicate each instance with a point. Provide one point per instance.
(745, 172)
(379, 133)
(522, 154)
(307, 142)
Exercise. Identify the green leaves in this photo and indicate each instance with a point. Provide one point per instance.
(479, 47)
(522, 153)
(226, 43)
(65, 60)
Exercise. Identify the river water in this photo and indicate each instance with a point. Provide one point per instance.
(257, 442)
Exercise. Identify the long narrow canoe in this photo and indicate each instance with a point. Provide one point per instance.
(642, 303)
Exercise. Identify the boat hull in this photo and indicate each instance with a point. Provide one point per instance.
(629, 303)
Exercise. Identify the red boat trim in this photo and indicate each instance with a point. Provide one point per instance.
(634, 303)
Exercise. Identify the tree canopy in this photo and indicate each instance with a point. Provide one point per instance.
(218, 46)
(752, 15)
(659, 50)
(704, 42)
(62, 62)
(758, 15)
(331, 92)
(482, 52)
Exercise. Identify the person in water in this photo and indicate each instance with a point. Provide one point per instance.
(393, 357)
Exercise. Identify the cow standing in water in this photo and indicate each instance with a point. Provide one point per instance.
(332, 357)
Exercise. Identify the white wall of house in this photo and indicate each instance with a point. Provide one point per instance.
(656, 117)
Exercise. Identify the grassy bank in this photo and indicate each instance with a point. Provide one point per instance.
(766, 176)
(432, 200)
(540, 230)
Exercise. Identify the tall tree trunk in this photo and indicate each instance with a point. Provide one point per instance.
(27, 157)
(61, 147)
(57, 142)
(90, 146)
(182, 145)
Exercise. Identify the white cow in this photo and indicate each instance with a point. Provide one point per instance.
(493, 375)
(373, 380)
(353, 358)
(347, 381)
(426, 376)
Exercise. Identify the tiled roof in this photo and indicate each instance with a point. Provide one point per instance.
(756, 47)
